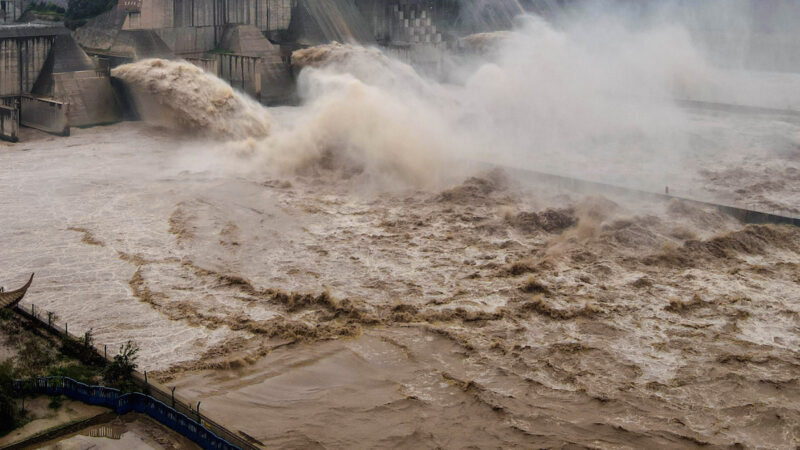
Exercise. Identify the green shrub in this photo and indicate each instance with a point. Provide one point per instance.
(81, 348)
(119, 372)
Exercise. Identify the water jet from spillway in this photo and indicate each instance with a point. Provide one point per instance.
(180, 95)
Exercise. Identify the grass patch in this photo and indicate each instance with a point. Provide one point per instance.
(79, 372)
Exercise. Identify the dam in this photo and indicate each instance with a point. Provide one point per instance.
(249, 44)
(48, 70)
(414, 223)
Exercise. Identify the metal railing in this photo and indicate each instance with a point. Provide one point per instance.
(49, 322)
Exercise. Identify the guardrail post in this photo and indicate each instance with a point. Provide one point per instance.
(173, 397)
(199, 418)
(105, 351)
(145, 377)
(32, 310)
(66, 329)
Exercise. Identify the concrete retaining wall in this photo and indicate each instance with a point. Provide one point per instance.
(43, 114)
(9, 123)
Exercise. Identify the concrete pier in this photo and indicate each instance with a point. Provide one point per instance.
(49, 82)
(9, 123)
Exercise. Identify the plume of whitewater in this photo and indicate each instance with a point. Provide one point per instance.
(183, 96)
(367, 64)
(542, 96)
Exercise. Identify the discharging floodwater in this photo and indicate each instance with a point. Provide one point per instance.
(312, 309)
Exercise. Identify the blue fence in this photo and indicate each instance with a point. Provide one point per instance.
(44, 320)
(124, 403)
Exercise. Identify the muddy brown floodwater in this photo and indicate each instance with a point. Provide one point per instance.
(308, 310)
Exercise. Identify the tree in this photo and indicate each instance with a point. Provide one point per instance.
(119, 372)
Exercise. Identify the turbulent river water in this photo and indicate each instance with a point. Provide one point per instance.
(310, 310)
(343, 274)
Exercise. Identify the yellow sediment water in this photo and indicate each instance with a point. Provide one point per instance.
(181, 95)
